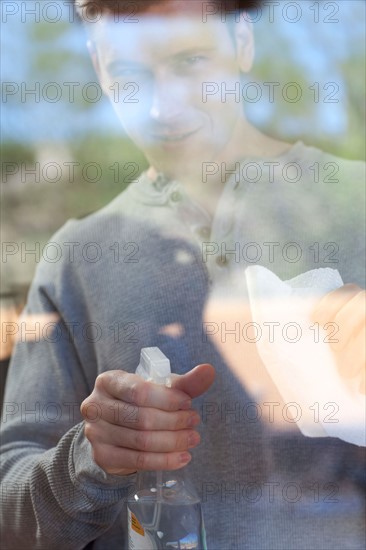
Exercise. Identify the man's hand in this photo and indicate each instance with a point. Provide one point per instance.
(137, 425)
(346, 308)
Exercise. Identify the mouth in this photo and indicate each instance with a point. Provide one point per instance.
(167, 138)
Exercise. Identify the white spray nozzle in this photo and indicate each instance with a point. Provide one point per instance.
(154, 366)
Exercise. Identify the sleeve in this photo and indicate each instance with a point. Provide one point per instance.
(53, 495)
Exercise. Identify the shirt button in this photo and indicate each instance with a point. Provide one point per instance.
(221, 261)
(204, 232)
(176, 196)
(160, 182)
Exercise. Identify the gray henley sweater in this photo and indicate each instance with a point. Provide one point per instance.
(122, 277)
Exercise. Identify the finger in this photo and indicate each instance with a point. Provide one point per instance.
(139, 418)
(116, 461)
(130, 388)
(331, 303)
(94, 409)
(347, 363)
(155, 419)
(196, 381)
(351, 359)
(147, 441)
(350, 319)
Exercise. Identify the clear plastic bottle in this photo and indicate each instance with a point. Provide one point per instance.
(165, 511)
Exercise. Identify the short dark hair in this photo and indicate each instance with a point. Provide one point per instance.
(97, 8)
(90, 11)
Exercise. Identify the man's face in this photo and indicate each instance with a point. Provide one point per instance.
(156, 72)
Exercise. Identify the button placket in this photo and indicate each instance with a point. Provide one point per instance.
(176, 196)
(204, 232)
(195, 217)
(222, 261)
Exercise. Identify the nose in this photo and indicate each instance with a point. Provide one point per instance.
(168, 100)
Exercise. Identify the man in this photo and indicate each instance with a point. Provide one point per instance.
(67, 473)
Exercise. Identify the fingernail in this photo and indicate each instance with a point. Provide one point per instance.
(193, 439)
(184, 457)
(186, 404)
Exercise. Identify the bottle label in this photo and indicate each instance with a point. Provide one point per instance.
(138, 538)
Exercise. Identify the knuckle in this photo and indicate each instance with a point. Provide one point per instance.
(133, 393)
(140, 461)
(119, 380)
(91, 410)
(100, 381)
(84, 407)
(138, 393)
(143, 440)
(130, 415)
(170, 401)
(144, 421)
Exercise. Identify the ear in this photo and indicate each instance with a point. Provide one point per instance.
(244, 41)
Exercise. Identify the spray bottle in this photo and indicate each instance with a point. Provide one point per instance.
(165, 511)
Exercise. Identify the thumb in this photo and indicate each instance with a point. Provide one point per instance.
(196, 381)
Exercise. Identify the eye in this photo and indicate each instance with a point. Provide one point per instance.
(123, 71)
(194, 60)
(128, 72)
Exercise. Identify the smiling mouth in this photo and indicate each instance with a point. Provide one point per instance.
(172, 138)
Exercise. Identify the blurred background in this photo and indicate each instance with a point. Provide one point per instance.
(65, 155)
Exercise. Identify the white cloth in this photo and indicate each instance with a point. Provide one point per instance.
(298, 356)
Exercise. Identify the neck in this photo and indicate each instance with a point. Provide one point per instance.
(246, 143)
